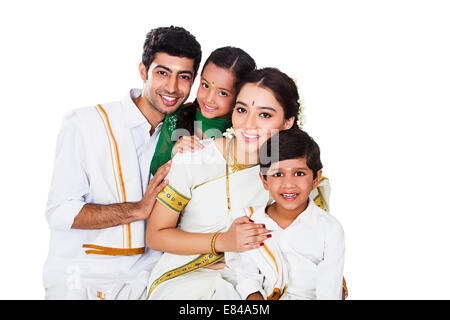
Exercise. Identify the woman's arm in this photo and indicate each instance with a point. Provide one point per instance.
(162, 235)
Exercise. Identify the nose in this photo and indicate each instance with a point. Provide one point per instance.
(250, 121)
(210, 96)
(172, 84)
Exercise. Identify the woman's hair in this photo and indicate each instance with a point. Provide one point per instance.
(239, 62)
(282, 86)
(290, 144)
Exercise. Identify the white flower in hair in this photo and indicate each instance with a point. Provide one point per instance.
(229, 133)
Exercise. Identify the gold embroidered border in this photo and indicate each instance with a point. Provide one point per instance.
(173, 199)
(199, 262)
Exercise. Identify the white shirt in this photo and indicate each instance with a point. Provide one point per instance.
(313, 250)
(69, 192)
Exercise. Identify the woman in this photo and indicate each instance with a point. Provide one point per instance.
(189, 221)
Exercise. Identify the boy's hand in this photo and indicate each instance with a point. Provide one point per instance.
(187, 143)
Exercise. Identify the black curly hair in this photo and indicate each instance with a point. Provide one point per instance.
(175, 41)
(235, 59)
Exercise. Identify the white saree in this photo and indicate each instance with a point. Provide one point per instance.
(197, 189)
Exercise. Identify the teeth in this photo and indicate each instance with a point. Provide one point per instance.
(289, 195)
(208, 107)
(249, 136)
(168, 98)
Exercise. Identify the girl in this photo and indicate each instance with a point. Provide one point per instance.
(216, 94)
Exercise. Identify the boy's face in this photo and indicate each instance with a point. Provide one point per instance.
(290, 182)
(167, 82)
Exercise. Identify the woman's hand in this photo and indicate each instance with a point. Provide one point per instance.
(155, 186)
(187, 143)
(242, 235)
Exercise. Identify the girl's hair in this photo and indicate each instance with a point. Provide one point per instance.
(239, 62)
(282, 86)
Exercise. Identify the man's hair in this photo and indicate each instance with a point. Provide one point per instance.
(175, 41)
(290, 144)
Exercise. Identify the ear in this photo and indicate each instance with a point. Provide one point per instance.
(143, 71)
(316, 180)
(266, 186)
(289, 123)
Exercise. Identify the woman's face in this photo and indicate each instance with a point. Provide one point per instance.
(257, 116)
(216, 92)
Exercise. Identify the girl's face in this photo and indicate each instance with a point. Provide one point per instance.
(216, 92)
(257, 116)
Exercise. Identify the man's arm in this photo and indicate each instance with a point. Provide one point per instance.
(96, 216)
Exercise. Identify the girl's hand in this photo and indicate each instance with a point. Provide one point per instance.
(242, 235)
(187, 143)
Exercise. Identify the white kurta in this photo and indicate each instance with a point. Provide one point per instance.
(85, 173)
(312, 251)
(198, 179)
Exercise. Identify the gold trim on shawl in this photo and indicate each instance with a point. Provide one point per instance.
(126, 240)
(197, 263)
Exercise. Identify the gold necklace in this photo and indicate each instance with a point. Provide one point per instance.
(234, 167)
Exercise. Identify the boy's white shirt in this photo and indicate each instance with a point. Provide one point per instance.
(68, 268)
(309, 253)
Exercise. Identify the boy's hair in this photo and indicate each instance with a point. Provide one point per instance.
(290, 144)
(175, 41)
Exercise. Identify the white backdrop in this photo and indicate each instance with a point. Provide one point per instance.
(374, 77)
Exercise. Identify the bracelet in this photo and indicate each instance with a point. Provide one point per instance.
(213, 243)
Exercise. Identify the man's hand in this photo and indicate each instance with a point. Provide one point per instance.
(155, 186)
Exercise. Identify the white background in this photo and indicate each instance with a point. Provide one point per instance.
(374, 77)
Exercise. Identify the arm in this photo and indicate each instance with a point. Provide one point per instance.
(330, 270)
(67, 207)
(162, 235)
(95, 216)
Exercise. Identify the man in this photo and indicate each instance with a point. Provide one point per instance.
(100, 196)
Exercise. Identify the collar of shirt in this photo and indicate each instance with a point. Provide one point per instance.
(133, 116)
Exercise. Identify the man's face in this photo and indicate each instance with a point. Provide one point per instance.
(168, 82)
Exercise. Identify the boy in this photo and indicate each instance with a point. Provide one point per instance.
(304, 258)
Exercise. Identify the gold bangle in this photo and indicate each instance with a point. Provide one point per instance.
(213, 243)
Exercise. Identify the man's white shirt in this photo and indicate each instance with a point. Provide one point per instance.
(66, 264)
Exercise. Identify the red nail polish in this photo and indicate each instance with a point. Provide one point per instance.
(269, 236)
(251, 220)
(261, 244)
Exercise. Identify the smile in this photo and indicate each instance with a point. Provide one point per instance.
(208, 108)
(168, 100)
(249, 137)
(289, 196)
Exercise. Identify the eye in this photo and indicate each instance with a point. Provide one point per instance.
(277, 174)
(265, 115)
(161, 73)
(185, 77)
(223, 94)
(299, 174)
(205, 85)
(240, 110)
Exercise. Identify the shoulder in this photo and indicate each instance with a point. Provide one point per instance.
(328, 223)
(209, 155)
